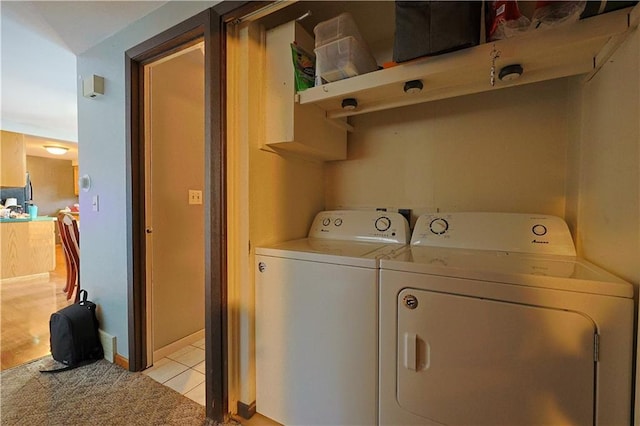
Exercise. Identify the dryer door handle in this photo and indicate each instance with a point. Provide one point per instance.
(411, 351)
(417, 352)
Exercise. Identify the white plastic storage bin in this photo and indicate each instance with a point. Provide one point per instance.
(336, 28)
(343, 58)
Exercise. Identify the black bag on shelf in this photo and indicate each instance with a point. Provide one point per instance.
(427, 28)
(75, 340)
(603, 6)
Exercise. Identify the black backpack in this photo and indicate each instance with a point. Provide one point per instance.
(74, 335)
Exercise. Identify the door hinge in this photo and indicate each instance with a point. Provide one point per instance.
(596, 347)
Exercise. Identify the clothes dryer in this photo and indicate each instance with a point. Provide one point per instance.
(490, 318)
(317, 319)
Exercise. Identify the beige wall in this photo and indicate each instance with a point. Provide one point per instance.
(605, 185)
(52, 182)
(286, 191)
(286, 195)
(499, 151)
(604, 190)
(272, 198)
(178, 228)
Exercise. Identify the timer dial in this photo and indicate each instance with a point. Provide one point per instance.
(383, 223)
(326, 221)
(539, 230)
(439, 226)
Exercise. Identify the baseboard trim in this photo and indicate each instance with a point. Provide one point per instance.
(178, 344)
(246, 411)
(121, 361)
(108, 345)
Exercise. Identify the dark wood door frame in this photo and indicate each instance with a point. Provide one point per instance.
(209, 26)
(191, 31)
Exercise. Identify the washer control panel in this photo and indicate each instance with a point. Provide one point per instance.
(361, 225)
(509, 232)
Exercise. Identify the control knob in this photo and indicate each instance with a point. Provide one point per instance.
(383, 223)
(539, 230)
(439, 226)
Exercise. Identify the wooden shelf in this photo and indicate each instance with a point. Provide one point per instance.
(545, 54)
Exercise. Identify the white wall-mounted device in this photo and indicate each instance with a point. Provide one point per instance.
(93, 86)
(85, 182)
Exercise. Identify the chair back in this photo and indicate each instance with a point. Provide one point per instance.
(70, 236)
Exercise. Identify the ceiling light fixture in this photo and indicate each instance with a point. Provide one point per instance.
(56, 150)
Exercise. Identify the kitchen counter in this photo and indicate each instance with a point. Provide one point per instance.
(28, 247)
(28, 219)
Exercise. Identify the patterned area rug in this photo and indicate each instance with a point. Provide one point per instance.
(97, 394)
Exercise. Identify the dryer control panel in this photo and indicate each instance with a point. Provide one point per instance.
(509, 232)
(361, 225)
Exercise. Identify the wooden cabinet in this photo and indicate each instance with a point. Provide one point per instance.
(28, 247)
(14, 159)
(290, 126)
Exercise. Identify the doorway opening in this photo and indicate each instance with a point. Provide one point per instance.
(202, 28)
(208, 26)
(174, 217)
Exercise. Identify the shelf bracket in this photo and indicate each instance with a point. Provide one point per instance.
(633, 17)
(341, 123)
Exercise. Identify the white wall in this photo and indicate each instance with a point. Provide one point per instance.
(503, 150)
(29, 104)
(105, 269)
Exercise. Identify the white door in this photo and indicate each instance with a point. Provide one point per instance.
(465, 360)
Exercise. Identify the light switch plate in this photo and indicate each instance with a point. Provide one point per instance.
(195, 196)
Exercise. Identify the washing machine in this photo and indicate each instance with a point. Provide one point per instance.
(317, 319)
(491, 319)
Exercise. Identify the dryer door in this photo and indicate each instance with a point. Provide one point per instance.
(465, 360)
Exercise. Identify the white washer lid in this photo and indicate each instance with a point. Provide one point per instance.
(351, 253)
(554, 272)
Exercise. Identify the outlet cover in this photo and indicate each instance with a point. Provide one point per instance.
(195, 196)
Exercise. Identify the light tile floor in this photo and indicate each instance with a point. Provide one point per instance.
(182, 371)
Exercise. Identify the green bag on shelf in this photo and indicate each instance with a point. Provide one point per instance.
(304, 68)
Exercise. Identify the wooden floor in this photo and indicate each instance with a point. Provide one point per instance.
(25, 308)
